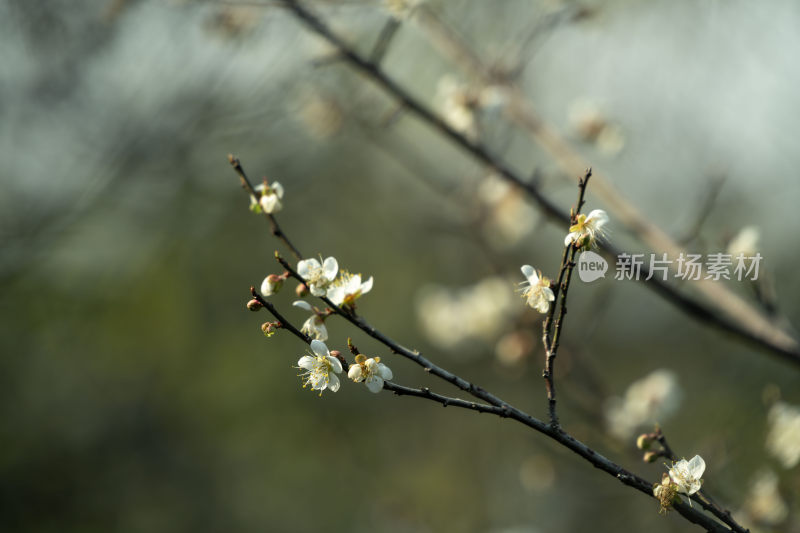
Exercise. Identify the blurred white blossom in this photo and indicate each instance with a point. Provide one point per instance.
(457, 106)
(371, 371)
(651, 399)
(320, 368)
(453, 318)
(590, 125)
(764, 503)
(783, 438)
(318, 276)
(745, 242)
(510, 218)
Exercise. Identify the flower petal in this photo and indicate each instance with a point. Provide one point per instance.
(374, 383)
(530, 274)
(366, 286)
(598, 217)
(333, 383)
(385, 372)
(277, 188)
(548, 293)
(302, 304)
(696, 467)
(336, 294)
(306, 362)
(306, 266)
(335, 363)
(319, 348)
(330, 267)
(355, 373)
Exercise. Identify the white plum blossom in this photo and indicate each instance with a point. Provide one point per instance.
(686, 475)
(318, 276)
(314, 326)
(320, 368)
(271, 284)
(348, 288)
(538, 292)
(587, 230)
(458, 106)
(270, 199)
(649, 400)
(783, 439)
(371, 371)
(455, 318)
(764, 502)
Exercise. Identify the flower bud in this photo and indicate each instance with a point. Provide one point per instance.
(650, 457)
(644, 441)
(301, 290)
(268, 328)
(271, 284)
(254, 305)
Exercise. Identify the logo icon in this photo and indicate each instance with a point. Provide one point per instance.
(591, 266)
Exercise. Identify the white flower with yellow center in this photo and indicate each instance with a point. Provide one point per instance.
(371, 371)
(318, 276)
(538, 292)
(270, 199)
(587, 230)
(348, 288)
(320, 368)
(686, 475)
(314, 326)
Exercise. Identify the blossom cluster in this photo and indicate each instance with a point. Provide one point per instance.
(584, 234)
(320, 367)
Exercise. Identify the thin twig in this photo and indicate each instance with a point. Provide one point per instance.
(248, 186)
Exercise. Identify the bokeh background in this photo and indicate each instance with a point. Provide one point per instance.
(138, 394)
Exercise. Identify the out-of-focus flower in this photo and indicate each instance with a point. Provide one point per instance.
(271, 285)
(783, 439)
(314, 326)
(320, 368)
(318, 276)
(456, 318)
(587, 229)
(687, 475)
(745, 242)
(592, 126)
(651, 399)
(458, 106)
(371, 371)
(510, 218)
(321, 115)
(348, 288)
(269, 200)
(538, 293)
(764, 503)
(401, 9)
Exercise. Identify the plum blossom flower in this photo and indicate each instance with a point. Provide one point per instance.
(314, 326)
(587, 229)
(318, 276)
(371, 371)
(686, 475)
(270, 199)
(538, 292)
(348, 288)
(320, 368)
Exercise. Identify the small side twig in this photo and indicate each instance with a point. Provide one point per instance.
(248, 186)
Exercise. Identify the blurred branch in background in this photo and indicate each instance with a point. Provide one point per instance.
(726, 309)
